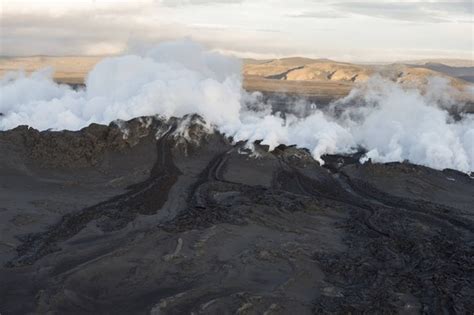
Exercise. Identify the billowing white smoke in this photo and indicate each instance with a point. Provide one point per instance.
(178, 78)
(175, 79)
(402, 125)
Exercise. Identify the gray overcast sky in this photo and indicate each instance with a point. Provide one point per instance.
(370, 30)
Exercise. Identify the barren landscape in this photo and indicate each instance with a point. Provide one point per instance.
(236, 157)
(160, 223)
(134, 185)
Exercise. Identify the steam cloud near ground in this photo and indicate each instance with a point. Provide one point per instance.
(178, 78)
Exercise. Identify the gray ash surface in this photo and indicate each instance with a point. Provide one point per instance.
(148, 217)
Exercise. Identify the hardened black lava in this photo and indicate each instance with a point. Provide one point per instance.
(140, 217)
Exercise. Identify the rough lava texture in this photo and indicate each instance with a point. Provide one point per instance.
(155, 216)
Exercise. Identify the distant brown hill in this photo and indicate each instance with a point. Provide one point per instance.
(322, 79)
(465, 73)
(71, 69)
(325, 80)
(443, 61)
(322, 70)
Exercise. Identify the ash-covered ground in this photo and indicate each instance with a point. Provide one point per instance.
(156, 216)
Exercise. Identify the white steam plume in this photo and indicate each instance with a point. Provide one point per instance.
(178, 78)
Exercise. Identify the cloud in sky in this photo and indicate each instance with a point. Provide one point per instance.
(410, 11)
(177, 3)
(318, 14)
(345, 30)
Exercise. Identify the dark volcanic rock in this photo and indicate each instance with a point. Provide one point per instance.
(165, 217)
